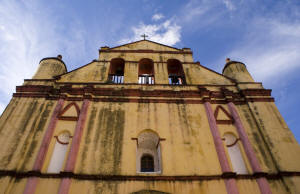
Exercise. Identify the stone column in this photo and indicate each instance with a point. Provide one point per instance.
(230, 183)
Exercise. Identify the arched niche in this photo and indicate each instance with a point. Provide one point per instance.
(116, 70)
(59, 153)
(146, 71)
(175, 72)
(148, 149)
(235, 154)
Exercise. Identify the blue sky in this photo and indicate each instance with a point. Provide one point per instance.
(265, 35)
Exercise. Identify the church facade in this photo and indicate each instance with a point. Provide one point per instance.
(145, 118)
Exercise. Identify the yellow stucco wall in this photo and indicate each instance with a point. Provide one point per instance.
(107, 147)
(23, 125)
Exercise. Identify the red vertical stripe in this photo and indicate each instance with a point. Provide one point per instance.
(70, 165)
(32, 181)
(262, 182)
(231, 186)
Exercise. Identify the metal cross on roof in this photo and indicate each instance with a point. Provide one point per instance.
(144, 36)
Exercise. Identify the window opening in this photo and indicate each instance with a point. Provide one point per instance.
(175, 72)
(147, 163)
(148, 156)
(146, 72)
(116, 73)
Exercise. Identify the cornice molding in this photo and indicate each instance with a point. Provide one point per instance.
(144, 96)
(103, 177)
(145, 51)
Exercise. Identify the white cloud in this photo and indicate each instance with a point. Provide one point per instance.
(201, 14)
(157, 16)
(27, 35)
(270, 49)
(229, 5)
(167, 33)
(2, 107)
(195, 9)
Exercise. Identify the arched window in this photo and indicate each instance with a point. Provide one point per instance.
(147, 163)
(146, 71)
(148, 152)
(234, 152)
(175, 72)
(59, 152)
(116, 71)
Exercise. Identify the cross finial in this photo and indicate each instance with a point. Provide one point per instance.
(144, 36)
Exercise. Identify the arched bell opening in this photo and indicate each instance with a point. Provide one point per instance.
(175, 72)
(116, 71)
(146, 71)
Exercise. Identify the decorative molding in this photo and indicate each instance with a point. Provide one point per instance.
(231, 185)
(225, 167)
(228, 121)
(69, 118)
(34, 88)
(256, 92)
(139, 100)
(165, 96)
(106, 61)
(72, 156)
(256, 168)
(146, 51)
(137, 84)
(39, 80)
(57, 139)
(142, 41)
(39, 161)
(18, 174)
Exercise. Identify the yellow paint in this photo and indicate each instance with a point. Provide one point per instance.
(107, 147)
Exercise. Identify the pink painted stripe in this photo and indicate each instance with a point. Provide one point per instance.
(47, 138)
(31, 185)
(64, 186)
(244, 138)
(217, 138)
(262, 182)
(263, 185)
(70, 165)
(32, 182)
(231, 186)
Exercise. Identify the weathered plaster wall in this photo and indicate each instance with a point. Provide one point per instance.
(97, 71)
(50, 67)
(279, 139)
(107, 146)
(22, 126)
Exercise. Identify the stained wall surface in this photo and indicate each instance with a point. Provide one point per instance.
(105, 120)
